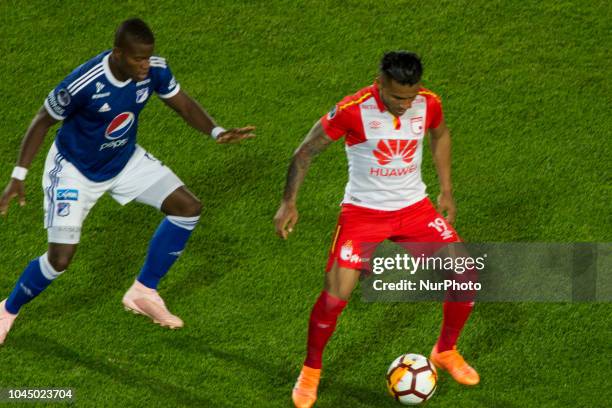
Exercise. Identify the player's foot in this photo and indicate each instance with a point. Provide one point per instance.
(305, 391)
(6, 321)
(456, 366)
(146, 301)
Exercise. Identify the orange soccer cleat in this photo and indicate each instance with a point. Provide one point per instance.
(305, 391)
(146, 301)
(456, 366)
(6, 321)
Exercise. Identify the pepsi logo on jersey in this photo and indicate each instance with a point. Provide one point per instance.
(119, 126)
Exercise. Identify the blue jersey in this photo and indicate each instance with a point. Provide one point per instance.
(100, 114)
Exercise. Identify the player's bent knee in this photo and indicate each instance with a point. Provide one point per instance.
(194, 209)
(60, 256)
(191, 208)
(340, 282)
(182, 203)
(342, 295)
(59, 262)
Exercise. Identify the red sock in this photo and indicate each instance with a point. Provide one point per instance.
(322, 325)
(455, 316)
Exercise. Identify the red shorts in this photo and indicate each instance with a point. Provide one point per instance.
(359, 229)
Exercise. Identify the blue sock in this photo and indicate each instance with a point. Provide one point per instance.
(166, 246)
(35, 278)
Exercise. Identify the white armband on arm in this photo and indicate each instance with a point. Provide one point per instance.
(19, 173)
(217, 130)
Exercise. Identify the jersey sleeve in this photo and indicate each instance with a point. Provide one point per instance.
(434, 112)
(66, 98)
(336, 123)
(165, 84)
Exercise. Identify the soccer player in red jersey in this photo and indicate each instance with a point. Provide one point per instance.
(383, 126)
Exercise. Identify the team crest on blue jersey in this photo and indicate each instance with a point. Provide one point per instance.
(63, 209)
(119, 126)
(142, 95)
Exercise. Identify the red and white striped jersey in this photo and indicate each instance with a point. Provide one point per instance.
(384, 151)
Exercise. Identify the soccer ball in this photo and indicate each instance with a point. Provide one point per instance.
(412, 379)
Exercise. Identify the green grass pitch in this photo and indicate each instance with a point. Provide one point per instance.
(526, 92)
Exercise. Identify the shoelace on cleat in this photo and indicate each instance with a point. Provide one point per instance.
(307, 382)
(456, 360)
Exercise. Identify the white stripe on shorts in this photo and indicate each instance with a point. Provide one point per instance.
(53, 174)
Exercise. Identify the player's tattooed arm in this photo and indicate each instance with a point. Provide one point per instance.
(30, 145)
(441, 152)
(197, 117)
(315, 142)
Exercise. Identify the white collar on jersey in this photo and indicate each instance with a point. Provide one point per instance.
(109, 75)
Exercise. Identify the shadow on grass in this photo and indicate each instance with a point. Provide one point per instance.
(100, 277)
(495, 325)
(337, 393)
(279, 375)
(48, 347)
(334, 392)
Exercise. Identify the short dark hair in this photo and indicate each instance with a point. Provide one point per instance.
(133, 29)
(402, 66)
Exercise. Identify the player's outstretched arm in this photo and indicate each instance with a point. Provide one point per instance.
(30, 145)
(441, 152)
(199, 119)
(287, 215)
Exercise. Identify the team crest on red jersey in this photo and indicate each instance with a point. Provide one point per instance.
(416, 125)
(389, 150)
(348, 253)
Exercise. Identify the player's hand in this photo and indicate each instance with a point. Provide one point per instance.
(15, 188)
(285, 219)
(446, 203)
(236, 135)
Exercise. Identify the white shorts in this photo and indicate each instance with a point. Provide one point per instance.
(69, 195)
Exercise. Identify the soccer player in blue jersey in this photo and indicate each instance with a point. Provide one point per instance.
(95, 152)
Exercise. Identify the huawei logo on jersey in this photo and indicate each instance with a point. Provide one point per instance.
(400, 153)
(390, 150)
